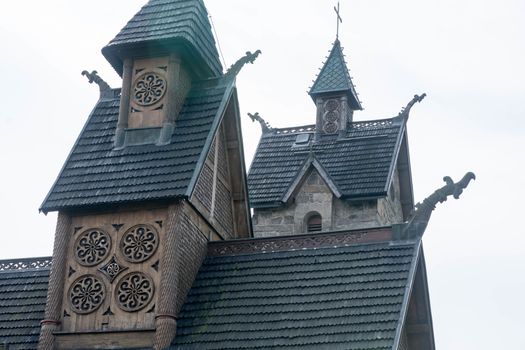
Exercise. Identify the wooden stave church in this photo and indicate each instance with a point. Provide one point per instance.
(165, 169)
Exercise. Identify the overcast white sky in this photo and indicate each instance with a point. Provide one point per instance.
(468, 56)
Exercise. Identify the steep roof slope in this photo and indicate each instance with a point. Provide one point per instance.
(359, 164)
(161, 24)
(96, 173)
(23, 291)
(334, 77)
(344, 297)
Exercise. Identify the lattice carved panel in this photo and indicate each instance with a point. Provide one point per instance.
(113, 271)
(148, 93)
(331, 116)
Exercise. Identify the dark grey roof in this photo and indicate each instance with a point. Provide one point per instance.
(161, 24)
(97, 174)
(334, 77)
(23, 290)
(328, 298)
(331, 297)
(358, 165)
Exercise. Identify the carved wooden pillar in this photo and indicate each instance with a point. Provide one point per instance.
(344, 116)
(319, 119)
(171, 101)
(165, 320)
(56, 283)
(124, 103)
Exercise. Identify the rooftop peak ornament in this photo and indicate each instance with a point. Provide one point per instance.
(237, 66)
(417, 223)
(338, 20)
(93, 77)
(264, 124)
(406, 110)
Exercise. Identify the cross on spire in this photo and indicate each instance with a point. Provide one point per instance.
(339, 19)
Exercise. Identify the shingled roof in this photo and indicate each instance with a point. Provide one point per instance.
(332, 297)
(359, 165)
(96, 173)
(334, 77)
(161, 25)
(335, 290)
(23, 291)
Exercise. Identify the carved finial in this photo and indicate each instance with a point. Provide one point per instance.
(264, 125)
(417, 98)
(248, 58)
(93, 77)
(419, 219)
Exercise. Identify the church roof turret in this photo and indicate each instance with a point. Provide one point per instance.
(163, 26)
(334, 77)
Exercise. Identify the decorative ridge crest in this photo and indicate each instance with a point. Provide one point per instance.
(418, 221)
(25, 264)
(264, 124)
(237, 66)
(295, 129)
(406, 110)
(93, 77)
(298, 242)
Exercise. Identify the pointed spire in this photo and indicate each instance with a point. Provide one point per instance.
(164, 26)
(334, 77)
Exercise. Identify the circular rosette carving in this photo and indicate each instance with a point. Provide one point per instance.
(139, 243)
(330, 128)
(92, 246)
(149, 88)
(134, 291)
(331, 116)
(331, 105)
(86, 294)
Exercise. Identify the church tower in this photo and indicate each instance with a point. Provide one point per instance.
(334, 95)
(156, 173)
(338, 174)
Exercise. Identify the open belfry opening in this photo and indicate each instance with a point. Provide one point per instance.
(155, 244)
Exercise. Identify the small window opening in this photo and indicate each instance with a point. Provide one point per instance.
(302, 140)
(314, 223)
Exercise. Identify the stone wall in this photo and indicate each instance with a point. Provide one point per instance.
(314, 196)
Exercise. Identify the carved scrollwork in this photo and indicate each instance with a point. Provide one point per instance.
(331, 105)
(149, 88)
(134, 291)
(112, 269)
(330, 128)
(331, 116)
(139, 243)
(86, 294)
(92, 246)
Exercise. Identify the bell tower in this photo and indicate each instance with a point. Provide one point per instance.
(334, 95)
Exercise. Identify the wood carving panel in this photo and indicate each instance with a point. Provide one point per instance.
(113, 271)
(331, 116)
(148, 95)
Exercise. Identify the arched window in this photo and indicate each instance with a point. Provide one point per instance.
(314, 223)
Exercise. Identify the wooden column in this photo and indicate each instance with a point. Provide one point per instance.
(124, 103)
(171, 100)
(165, 320)
(55, 290)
